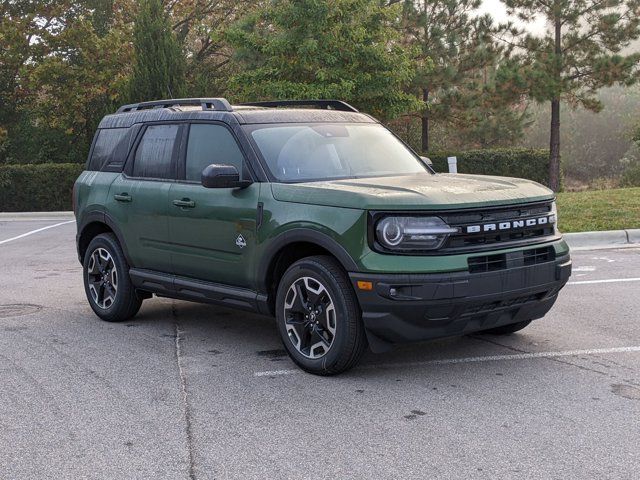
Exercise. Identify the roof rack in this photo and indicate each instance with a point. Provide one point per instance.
(323, 104)
(220, 104)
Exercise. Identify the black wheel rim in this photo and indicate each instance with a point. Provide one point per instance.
(102, 278)
(310, 317)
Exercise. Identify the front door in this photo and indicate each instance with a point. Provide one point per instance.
(212, 231)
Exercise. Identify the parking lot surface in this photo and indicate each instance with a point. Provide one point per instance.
(196, 391)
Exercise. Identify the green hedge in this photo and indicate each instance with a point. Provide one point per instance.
(631, 177)
(43, 187)
(511, 162)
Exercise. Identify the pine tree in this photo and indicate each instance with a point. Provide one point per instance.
(458, 48)
(580, 53)
(347, 49)
(159, 70)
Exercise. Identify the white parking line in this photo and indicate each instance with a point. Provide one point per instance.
(35, 231)
(584, 269)
(610, 280)
(491, 358)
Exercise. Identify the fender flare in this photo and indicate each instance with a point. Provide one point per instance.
(301, 235)
(97, 216)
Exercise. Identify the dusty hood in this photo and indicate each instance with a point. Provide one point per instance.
(414, 192)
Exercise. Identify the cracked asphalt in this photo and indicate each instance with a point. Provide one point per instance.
(197, 391)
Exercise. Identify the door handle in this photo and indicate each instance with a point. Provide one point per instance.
(184, 203)
(123, 197)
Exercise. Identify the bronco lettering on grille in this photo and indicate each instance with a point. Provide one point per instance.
(511, 225)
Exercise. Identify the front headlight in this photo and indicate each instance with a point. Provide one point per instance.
(412, 233)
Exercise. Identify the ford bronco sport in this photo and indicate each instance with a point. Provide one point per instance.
(318, 216)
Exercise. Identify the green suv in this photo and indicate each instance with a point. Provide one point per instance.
(316, 214)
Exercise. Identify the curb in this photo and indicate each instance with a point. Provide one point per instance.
(17, 216)
(602, 240)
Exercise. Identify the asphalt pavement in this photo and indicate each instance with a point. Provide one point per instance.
(197, 391)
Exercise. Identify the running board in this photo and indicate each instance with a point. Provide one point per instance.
(183, 288)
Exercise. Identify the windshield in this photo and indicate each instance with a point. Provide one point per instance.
(298, 153)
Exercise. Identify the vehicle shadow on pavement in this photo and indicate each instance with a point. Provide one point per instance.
(214, 329)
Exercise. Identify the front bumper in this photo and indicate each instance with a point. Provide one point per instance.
(412, 307)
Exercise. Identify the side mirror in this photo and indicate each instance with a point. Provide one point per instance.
(222, 176)
(427, 161)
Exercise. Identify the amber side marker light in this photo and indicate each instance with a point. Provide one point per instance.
(365, 285)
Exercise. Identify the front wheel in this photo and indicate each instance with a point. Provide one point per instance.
(319, 318)
(106, 280)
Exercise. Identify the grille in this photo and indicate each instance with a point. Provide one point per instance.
(464, 241)
(489, 263)
(538, 255)
(492, 263)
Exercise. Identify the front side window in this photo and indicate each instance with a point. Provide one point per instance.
(208, 144)
(154, 156)
(314, 152)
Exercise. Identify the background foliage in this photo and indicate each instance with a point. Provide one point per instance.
(595, 145)
(43, 188)
(441, 75)
(159, 65)
(514, 162)
(458, 86)
(310, 49)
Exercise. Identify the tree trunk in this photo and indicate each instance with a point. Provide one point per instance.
(554, 146)
(554, 137)
(425, 122)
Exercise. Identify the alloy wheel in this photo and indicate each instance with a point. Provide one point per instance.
(102, 278)
(310, 317)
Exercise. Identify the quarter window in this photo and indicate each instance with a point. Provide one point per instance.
(209, 144)
(154, 156)
(111, 147)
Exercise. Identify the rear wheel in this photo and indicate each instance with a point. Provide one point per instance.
(318, 317)
(507, 329)
(106, 280)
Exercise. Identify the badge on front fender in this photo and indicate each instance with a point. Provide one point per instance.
(241, 242)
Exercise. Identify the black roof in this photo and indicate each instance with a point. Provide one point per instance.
(219, 109)
(298, 115)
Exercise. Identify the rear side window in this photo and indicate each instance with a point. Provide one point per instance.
(110, 148)
(209, 143)
(155, 153)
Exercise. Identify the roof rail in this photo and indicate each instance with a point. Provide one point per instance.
(323, 104)
(220, 104)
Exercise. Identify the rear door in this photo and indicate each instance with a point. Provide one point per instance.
(139, 198)
(213, 231)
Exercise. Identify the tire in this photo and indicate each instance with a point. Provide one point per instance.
(331, 338)
(111, 295)
(507, 329)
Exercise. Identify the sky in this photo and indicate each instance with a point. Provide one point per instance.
(498, 11)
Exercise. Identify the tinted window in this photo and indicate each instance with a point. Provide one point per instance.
(155, 152)
(111, 146)
(211, 144)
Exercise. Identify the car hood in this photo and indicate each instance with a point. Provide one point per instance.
(414, 192)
